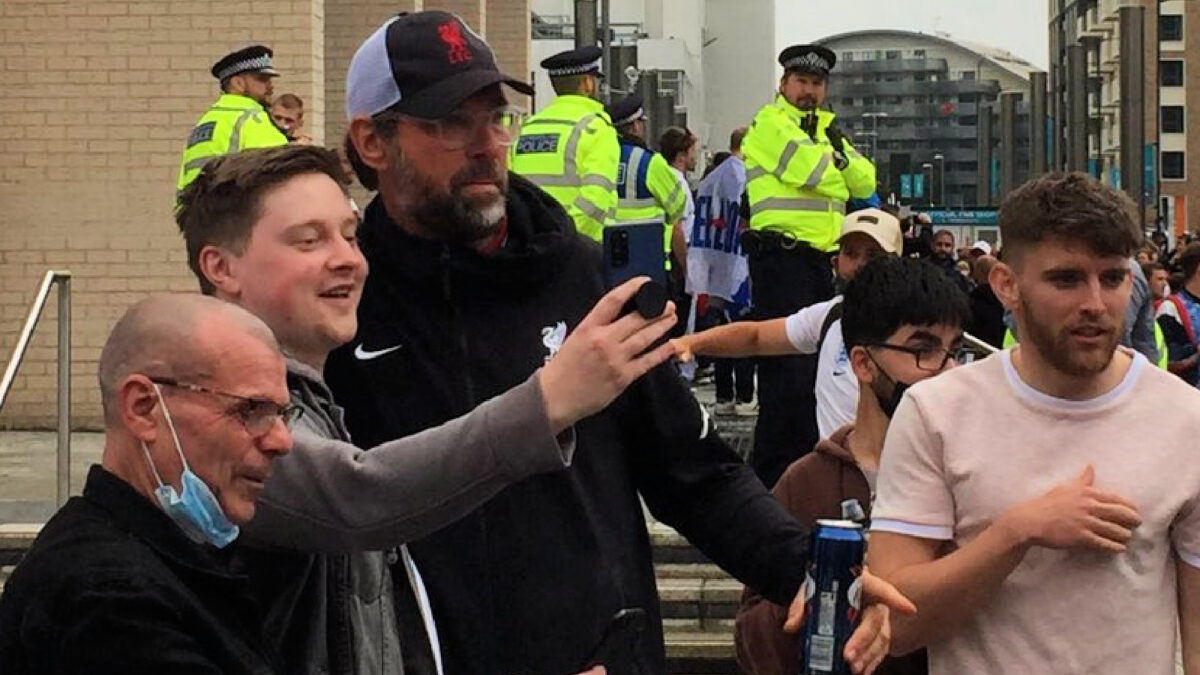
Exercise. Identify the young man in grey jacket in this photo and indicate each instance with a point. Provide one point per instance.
(273, 232)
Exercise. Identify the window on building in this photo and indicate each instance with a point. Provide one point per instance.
(847, 56)
(966, 75)
(967, 98)
(1172, 119)
(1173, 166)
(1170, 27)
(920, 77)
(892, 54)
(868, 100)
(895, 100)
(918, 53)
(1170, 73)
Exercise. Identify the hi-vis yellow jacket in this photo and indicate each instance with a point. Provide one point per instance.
(234, 123)
(570, 150)
(794, 187)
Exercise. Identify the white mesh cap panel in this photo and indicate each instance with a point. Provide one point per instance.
(370, 87)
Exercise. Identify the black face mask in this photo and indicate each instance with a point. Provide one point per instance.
(890, 400)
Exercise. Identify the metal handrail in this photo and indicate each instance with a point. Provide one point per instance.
(63, 279)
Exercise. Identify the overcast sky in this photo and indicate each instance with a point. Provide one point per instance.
(1020, 26)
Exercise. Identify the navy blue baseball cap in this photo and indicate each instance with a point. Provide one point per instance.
(423, 64)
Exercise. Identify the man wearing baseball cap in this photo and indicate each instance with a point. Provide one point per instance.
(816, 329)
(476, 277)
(239, 119)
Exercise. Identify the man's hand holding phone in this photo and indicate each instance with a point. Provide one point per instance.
(605, 353)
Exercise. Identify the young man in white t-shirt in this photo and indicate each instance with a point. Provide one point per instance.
(1020, 503)
(865, 234)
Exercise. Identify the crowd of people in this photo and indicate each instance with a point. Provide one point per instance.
(423, 437)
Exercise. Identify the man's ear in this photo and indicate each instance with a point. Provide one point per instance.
(861, 363)
(218, 267)
(237, 84)
(136, 401)
(371, 147)
(1003, 280)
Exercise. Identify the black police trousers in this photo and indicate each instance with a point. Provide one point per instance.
(786, 276)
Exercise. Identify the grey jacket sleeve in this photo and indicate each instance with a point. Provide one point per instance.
(327, 495)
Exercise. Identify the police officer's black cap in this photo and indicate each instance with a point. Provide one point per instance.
(423, 64)
(580, 61)
(813, 59)
(626, 111)
(253, 59)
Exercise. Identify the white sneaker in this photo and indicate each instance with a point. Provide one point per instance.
(748, 409)
(725, 408)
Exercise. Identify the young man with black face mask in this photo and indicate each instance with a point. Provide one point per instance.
(816, 329)
(902, 321)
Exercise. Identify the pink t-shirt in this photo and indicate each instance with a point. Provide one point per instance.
(967, 445)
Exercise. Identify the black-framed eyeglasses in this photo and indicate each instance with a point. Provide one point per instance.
(258, 415)
(458, 130)
(931, 358)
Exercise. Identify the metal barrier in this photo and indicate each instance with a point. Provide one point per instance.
(63, 279)
(977, 348)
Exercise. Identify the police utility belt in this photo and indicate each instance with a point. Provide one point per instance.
(763, 242)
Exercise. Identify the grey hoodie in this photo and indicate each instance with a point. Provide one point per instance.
(329, 496)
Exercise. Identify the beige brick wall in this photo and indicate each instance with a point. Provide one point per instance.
(508, 33)
(98, 98)
(347, 24)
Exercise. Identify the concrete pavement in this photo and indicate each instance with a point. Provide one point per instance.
(28, 475)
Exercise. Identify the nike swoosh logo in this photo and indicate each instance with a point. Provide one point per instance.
(364, 355)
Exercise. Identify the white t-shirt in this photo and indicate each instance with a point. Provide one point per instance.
(689, 205)
(969, 444)
(836, 387)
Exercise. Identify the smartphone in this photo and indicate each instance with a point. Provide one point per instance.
(633, 250)
(619, 646)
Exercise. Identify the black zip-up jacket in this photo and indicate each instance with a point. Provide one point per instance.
(527, 583)
(112, 585)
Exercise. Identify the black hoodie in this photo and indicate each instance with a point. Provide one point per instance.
(527, 583)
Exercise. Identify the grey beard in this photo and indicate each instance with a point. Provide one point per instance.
(454, 219)
(449, 217)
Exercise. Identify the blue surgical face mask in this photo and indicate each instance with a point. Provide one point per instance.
(196, 511)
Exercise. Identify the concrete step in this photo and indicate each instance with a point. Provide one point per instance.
(699, 602)
(701, 653)
(670, 547)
